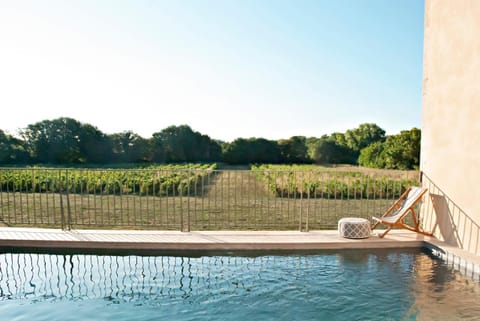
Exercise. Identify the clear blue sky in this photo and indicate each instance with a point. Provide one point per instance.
(227, 68)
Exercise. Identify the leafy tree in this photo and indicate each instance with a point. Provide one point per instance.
(12, 150)
(237, 152)
(265, 151)
(364, 135)
(294, 150)
(402, 151)
(252, 150)
(372, 156)
(54, 141)
(65, 140)
(182, 144)
(327, 151)
(311, 143)
(5, 148)
(214, 150)
(344, 154)
(157, 151)
(128, 147)
(338, 138)
(95, 146)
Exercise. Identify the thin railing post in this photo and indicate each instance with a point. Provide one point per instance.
(69, 211)
(188, 199)
(308, 205)
(301, 204)
(60, 193)
(180, 192)
(1, 195)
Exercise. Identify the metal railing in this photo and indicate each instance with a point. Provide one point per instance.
(447, 220)
(195, 199)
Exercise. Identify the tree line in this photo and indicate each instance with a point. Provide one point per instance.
(68, 141)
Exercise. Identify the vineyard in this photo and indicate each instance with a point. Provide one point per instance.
(154, 180)
(311, 181)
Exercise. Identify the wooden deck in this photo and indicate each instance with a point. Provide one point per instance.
(199, 240)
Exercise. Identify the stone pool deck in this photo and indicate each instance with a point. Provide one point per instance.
(199, 240)
(130, 240)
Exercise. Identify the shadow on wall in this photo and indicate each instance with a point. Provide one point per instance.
(447, 221)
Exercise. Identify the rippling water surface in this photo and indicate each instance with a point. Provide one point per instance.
(352, 285)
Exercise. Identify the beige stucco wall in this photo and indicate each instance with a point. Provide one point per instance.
(450, 153)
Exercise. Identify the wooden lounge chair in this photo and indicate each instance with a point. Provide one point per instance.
(395, 215)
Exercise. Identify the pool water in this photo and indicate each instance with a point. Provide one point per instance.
(350, 285)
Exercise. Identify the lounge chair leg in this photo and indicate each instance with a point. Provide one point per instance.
(385, 233)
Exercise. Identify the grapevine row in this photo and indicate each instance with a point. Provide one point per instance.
(163, 180)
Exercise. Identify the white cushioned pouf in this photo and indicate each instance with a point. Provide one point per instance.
(354, 228)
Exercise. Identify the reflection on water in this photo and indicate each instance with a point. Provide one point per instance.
(134, 278)
(442, 294)
(350, 285)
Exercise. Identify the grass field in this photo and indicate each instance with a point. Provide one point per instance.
(227, 199)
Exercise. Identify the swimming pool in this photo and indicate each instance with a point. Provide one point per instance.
(347, 285)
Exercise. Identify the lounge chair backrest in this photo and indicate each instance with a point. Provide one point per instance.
(411, 199)
(414, 193)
